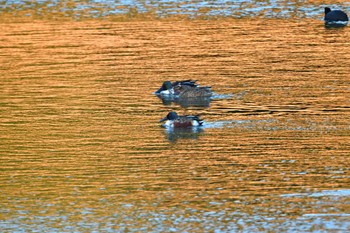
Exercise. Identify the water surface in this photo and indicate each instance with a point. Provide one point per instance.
(82, 149)
(145, 9)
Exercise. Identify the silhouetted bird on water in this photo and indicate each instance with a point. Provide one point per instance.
(333, 16)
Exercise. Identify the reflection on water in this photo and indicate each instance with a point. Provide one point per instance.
(338, 24)
(82, 149)
(186, 102)
(202, 102)
(146, 9)
(173, 134)
(324, 193)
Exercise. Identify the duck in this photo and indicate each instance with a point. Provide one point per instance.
(184, 89)
(334, 15)
(173, 120)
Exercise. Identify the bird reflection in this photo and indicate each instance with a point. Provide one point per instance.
(173, 134)
(203, 102)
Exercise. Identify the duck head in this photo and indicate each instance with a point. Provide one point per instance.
(171, 116)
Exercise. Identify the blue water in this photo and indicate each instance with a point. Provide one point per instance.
(165, 8)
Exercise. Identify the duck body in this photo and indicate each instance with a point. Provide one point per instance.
(172, 120)
(334, 15)
(184, 89)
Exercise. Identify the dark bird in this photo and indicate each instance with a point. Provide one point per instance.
(334, 15)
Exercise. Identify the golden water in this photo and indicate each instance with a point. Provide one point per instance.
(81, 147)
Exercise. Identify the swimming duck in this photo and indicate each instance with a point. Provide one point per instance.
(176, 121)
(184, 89)
(334, 15)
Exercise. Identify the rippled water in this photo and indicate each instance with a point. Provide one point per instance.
(82, 149)
(167, 8)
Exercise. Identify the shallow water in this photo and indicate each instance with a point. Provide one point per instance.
(82, 148)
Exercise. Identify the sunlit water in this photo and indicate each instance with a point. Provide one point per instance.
(82, 148)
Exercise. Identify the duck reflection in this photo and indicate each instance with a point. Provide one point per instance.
(173, 134)
(332, 25)
(203, 102)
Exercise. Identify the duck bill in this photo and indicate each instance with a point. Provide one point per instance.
(164, 119)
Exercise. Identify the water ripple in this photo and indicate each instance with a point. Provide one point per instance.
(167, 8)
